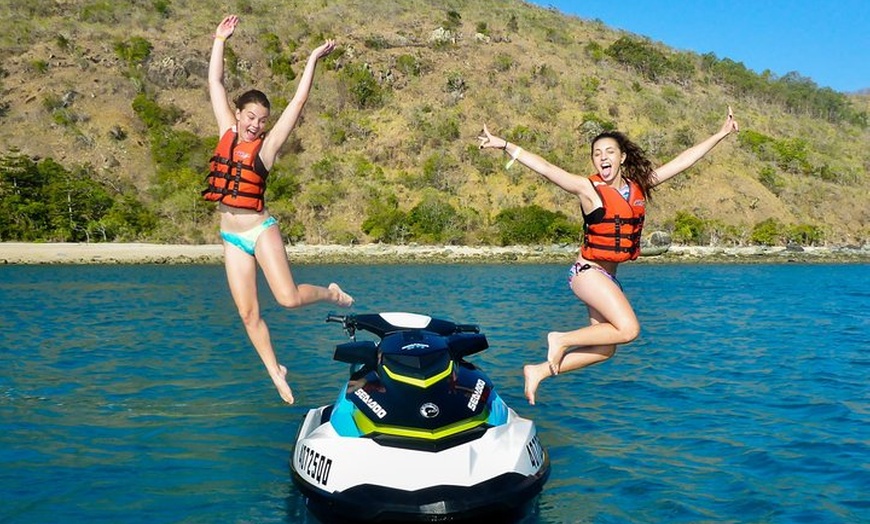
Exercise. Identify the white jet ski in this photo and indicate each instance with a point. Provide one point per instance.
(418, 433)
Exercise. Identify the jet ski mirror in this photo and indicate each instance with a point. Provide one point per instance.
(465, 344)
(363, 352)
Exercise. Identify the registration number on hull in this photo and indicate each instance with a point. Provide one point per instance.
(313, 465)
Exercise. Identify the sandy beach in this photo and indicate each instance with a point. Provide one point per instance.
(145, 253)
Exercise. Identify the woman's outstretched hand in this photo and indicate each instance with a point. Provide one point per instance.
(324, 49)
(226, 27)
(488, 140)
(730, 125)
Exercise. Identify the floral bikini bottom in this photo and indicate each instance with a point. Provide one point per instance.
(580, 267)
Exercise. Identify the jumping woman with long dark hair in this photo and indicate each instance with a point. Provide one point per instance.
(613, 203)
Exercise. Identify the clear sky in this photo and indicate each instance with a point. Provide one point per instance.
(826, 41)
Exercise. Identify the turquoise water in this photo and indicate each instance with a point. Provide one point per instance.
(131, 394)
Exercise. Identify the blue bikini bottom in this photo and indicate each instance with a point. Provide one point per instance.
(247, 240)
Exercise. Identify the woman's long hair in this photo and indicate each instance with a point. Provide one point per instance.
(637, 167)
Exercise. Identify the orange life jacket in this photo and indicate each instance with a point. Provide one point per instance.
(616, 237)
(236, 176)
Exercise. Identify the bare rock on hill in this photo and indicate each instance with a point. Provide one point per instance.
(655, 244)
(172, 72)
(660, 238)
(442, 36)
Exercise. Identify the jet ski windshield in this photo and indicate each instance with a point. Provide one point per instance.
(415, 354)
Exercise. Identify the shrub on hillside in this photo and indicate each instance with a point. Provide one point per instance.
(687, 229)
(534, 225)
(435, 221)
(640, 56)
(282, 66)
(133, 51)
(804, 234)
(768, 232)
(408, 65)
(384, 221)
(453, 21)
(152, 114)
(363, 87)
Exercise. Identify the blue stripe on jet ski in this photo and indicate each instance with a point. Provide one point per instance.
(342, 416)
(498, 411)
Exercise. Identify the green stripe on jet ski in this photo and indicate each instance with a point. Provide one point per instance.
(366, 426)
(419, 382)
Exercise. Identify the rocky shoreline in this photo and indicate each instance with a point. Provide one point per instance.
(143, 253)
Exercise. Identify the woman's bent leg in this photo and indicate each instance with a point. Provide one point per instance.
(612, 322)
(272, 257)
(612, 319)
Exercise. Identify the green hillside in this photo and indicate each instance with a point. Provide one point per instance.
(107, 128)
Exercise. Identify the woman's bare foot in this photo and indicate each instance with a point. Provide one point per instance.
(343, 300)
(534, 374)
(280, 381)
(555, 350)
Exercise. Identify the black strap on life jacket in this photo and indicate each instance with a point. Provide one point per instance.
(633, 238)
(236, 178)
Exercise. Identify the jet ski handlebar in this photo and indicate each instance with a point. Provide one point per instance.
(382, 324)
(462, 340)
